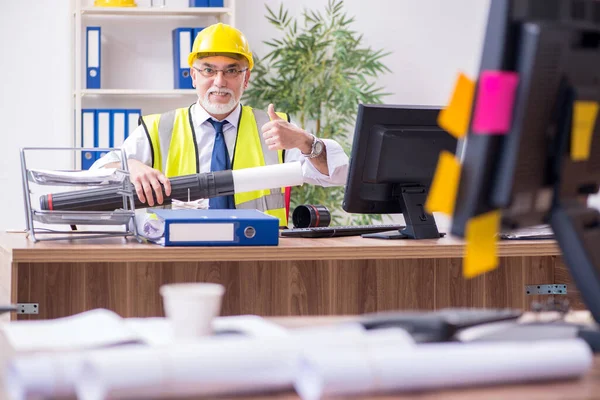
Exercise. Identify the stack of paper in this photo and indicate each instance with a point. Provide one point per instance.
(101, 176)
(530, 232)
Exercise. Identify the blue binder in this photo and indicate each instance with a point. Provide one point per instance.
(219, 228)
(182, 46)
(118, 127)
(133, 120)
(103, 131)
(198, 3)
(215, 3)
(93, 57)
(88, 134)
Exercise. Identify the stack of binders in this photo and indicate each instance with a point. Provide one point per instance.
(103, 128)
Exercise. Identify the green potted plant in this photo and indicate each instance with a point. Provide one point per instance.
(318, 72)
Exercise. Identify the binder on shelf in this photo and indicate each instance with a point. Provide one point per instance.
(93, 57)
(199, 3)
(196, 31)
(133, 120)
(118, 124)
(218, 227)
(182, 45)
(215, 3)
(103, 131)
(88, 134)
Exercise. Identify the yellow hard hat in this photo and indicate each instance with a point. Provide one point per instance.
(218, 39)
(114, 3)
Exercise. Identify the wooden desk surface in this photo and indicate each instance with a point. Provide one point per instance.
(19, 248)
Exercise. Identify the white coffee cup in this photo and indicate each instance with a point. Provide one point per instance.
(191, 307)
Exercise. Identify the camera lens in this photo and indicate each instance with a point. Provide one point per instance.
(309, 216)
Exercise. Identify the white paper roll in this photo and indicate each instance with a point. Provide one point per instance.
(225, 365)
(432, 366)
(267, 177)
(42, 375)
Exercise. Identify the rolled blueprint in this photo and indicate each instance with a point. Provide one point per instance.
(216, 367)
(47, 375)
(377, 369)
(268, 177)
(195, 186)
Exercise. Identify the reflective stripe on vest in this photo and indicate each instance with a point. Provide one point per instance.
(165, 130)
(173, 131)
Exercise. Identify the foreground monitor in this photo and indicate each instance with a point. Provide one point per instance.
(542, 168)
(394, 155)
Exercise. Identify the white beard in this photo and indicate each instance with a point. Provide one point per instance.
(219, 108)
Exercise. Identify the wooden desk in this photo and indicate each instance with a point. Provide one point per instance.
(333, 276)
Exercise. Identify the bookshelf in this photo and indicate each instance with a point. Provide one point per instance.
(136, 56)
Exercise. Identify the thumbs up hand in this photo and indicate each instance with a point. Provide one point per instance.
(272, 114)
(279, 134)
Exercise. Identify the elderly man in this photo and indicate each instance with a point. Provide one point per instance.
(218, 133)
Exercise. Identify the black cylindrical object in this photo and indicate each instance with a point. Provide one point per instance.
(200, 186)
(309, 216)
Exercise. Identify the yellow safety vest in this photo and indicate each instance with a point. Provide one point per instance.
(174, 131)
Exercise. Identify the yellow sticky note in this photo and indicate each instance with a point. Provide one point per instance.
(442, 193)
(582, 128)
(455, 118)
(481, 251)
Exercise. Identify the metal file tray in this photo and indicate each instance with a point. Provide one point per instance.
(48, 224)
(118, 217)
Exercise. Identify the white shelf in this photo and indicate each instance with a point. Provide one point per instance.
(144, 17)
(137, 92)
(155, 11)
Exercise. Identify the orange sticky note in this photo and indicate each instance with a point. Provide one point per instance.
(455, 118)
(582, 129)
(442, 193)
(481, 249)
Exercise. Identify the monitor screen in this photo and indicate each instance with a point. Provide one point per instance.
(548, 160)
(393, 160)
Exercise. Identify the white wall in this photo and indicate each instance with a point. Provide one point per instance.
(430, 41)
(35, 90)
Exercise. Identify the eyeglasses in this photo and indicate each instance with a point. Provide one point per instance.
(208, 72)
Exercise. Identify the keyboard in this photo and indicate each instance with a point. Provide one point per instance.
(336, 231)
(440, 325)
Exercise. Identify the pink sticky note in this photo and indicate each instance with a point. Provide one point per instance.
(495, 100)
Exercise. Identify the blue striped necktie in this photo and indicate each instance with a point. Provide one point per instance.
(219, 162)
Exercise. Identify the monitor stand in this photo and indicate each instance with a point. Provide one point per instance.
(419, 224)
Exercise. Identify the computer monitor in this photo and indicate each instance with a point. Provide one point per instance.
(393, 160)
(531, 172)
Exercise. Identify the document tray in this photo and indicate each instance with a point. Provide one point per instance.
(119, 217)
